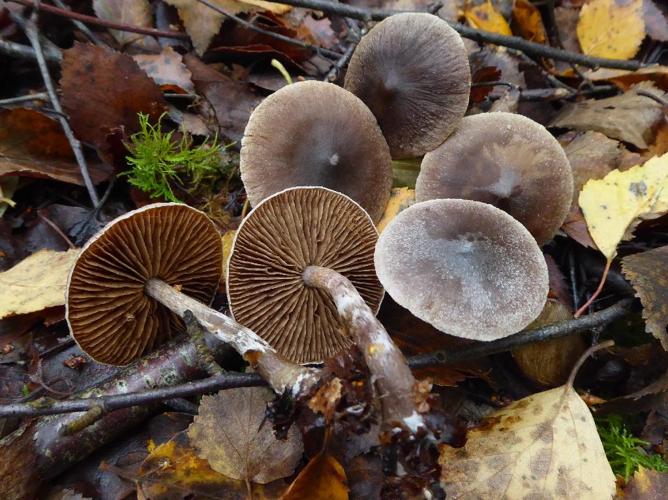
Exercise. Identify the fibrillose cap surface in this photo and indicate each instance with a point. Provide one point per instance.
(316, 134)
(283, 235)
(413, 72)
(507, 160)
(110, 316)
(467, 268)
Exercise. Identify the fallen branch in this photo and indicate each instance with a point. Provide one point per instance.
(515, 42)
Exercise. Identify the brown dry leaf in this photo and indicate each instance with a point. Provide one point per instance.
(486, 17)
(131, 12)
(167, 70)
(326, 398)
(400, 198)
(648, 273)
(647, 484)
(611, 28)
(35, 283)
(230, 432)
(656, 20)
(103, 91)
(231, 101)
(628, 117)
(543, 446)
(627, 79)
(323, 478)
(34, 145)
(529, 21)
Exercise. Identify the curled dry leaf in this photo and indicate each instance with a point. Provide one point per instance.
(230, 432)
(487, 18)
(400, 198)
(542, 446)
(36, 282)
(647, 272)
(323, 478)
(529, 21)
(610, 28)
(167, 70)
(615, 205)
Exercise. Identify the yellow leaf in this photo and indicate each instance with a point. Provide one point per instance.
(613, 206)
(400, 198)
(323, 478)
(486, 17)
(611, 28)
(35, 283)
(542, 446)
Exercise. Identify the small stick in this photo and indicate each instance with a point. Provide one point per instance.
(24, 52)
(41, 96)
(586, 305)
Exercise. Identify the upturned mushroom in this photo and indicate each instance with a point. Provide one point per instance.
(412, 71)
(133, 281)
(297, 263)
(316, 134)
(466, 267)
(506, 160)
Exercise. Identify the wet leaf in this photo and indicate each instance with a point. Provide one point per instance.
(34, 145)
(647, 272)
(323, 478)
(615, 205)
(167, 70)
(487, 18)
(543, 446)
(230, 432)
(131, 12)
(103, 91)
(647, 484)
(611, 28)
(529, 21)
(400, 198)
(36, 282)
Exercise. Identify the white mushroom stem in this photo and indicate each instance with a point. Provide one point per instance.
(385, 361)
(281, 374)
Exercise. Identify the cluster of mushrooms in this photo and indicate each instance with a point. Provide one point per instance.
(307, 271)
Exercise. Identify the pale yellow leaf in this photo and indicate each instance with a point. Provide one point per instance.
(611, 28)
(486, 17)
(613, 206)
(400, 198)
(35, 283)
(542, 446)
(228, 239)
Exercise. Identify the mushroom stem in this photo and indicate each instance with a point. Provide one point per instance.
(281, 374)
(388, 365)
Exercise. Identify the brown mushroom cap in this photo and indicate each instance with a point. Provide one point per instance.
(109, 315)
(316, 134)
(506, 160)
(465, 267)
(413, 72)
(283, 235)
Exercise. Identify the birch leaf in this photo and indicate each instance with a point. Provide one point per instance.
(542, 446)
(615, 205)
(610, 28)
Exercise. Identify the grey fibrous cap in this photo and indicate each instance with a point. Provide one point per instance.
(283, 235)
(109, 315)
(316, 134)
(507, 160)
(413, 72)
(466, 267)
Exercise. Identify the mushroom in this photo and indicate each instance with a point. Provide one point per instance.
(316, 134)
(506, 160)
(297, 263)
(144, 266)
(412, 71)
(466, 267)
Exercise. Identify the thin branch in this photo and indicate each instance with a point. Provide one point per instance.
(42, 96)
(82, 27)
(24, 52)
(515, 42)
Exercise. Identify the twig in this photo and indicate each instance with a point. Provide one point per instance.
(101, 22)
(82, 27)
(342, 61)
(30, 29)
(652, 96)
(42, 96)
(24, 52)
(262, 31)
(55, 227)
(515, 42)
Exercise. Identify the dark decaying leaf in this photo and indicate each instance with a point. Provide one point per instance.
(492, 65)
(647, 484)
(34, 145)
(648, 273)
(103, 91)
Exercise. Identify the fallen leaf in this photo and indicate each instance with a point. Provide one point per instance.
(529, 21)
(566, 20)
(131, 12)
(167, 70)
(647, 272)
(575, 227)
(647, 484)
(611, 28)
(656, 20)
(228, 239)
(323, 478)
(543, 446)
(244, 447)
(628, 117)
(486, 17)
(615, 205)
(400, 198)
(34, 145)
(36, 282)
(490, 64)
(103, 91)
(626, 79)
